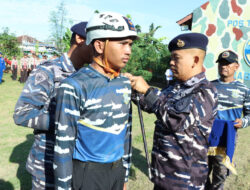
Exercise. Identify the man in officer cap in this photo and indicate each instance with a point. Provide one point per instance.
(93, 131)
(234, 106)
(2, 66)
(36, 105)
(185, 112)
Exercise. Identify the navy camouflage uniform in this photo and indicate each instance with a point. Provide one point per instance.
(185, 113)
(93, 124)
(35, 109)
(233, 103)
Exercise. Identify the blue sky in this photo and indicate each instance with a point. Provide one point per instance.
(31, 17)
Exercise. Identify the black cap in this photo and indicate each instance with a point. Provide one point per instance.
(229, 56)
(80, 29)
(188, 41)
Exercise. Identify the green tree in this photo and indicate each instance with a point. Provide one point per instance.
(9, 44)
(138, 28)
(37, 48)
(58, 22)
(66, 39)
(149, 56)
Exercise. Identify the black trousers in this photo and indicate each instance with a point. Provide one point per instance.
(157, 188)
(24, 76)
(98, 176)
(218, 171)
(14, 73)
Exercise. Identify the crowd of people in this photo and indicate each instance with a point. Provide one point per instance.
(79, 106)
(21, 68)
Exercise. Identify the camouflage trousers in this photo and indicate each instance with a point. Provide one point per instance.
(38, 184)
(218, 172)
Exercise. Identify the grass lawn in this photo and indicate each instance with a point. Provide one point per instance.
(15, 143)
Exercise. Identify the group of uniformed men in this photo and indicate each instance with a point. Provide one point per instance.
(81, 116)
(27, 64)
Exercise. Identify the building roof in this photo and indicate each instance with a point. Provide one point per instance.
(187, 20)
(26, 38)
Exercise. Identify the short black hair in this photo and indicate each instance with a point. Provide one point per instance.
(73, 39)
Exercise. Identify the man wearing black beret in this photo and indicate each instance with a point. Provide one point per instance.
(36, 105)
(185, 112)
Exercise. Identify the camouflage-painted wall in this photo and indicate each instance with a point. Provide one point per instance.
(227, 25)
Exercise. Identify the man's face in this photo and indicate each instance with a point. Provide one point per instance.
(181, 64)
(118, 52)
(227, 69)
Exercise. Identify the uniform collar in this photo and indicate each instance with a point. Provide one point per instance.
(220, 81)
(102, 75)
(67, 65)
(195, 79)
(187, 87)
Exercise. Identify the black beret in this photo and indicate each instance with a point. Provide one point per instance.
(80, 29)
(188, 41)
(229, 56)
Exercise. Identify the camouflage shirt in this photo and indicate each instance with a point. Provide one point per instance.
(93, 122)
(185, 113)
(35, 108)
(233, 101)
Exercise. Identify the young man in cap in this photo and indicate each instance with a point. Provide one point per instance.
(2, 66)
(233, 105)
(93, 131)
(185, 112)
(36, 106)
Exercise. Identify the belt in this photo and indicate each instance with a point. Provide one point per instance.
(36, 132)
(114, 164)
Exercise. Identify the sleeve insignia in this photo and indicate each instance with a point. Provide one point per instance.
(40, 77)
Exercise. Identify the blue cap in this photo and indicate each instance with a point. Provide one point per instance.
(188, 41)
(1, 53)
(80, 29)
(228, 56)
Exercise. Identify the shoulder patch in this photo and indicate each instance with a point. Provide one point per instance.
(40, 77)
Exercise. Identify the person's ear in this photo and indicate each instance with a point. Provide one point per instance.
(196, 61)
(236, 66)
(99, 46)
(79, 39)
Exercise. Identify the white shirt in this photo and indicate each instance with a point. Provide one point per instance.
(169, 74)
